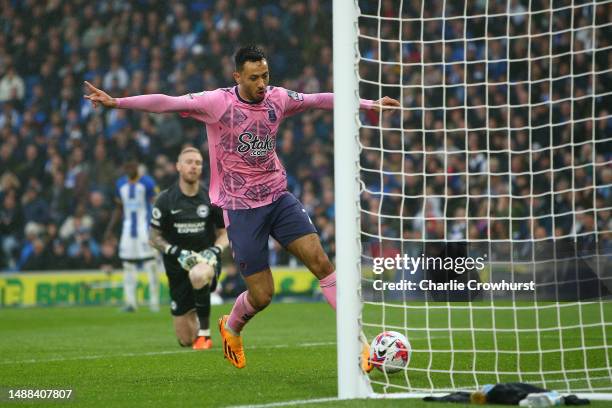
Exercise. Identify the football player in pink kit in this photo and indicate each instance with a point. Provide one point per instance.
(249, 182)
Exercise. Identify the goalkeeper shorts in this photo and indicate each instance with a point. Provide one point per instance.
(249, 230)
(181, 290)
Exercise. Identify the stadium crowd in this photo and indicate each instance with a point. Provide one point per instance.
(59, 158)
(502, 124)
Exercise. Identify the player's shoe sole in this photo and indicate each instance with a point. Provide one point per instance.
(232, 345)
(202, 343)
(366, 364)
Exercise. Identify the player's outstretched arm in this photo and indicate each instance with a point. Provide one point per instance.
(300, 102)
(156, 103)
(385, 104)
(98, 96)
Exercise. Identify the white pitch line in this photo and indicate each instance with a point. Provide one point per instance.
(94, 357)
(286, 403)
(155, 353)
(159, 353)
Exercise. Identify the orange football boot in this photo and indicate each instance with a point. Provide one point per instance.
(232, 345)
(366, 364)
(202, 343)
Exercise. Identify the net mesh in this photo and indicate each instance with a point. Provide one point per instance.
(501, 151)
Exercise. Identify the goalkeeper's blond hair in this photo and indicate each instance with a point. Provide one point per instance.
(188, 149)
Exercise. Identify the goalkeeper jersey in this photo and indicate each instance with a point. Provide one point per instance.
(188, 222)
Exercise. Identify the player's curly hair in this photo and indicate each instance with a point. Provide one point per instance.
(248, 53)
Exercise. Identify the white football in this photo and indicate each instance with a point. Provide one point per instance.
(390, 352)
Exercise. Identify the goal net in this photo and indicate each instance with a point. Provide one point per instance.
(484, 201)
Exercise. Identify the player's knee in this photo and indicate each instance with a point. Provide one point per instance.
(200, 276)
(186, 336)
(197, 280)
(185, 328)
(184, 341)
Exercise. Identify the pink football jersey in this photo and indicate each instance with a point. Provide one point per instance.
(245, 171)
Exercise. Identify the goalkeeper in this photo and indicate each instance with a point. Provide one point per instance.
(190, 234)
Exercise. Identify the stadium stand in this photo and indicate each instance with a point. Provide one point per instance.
(59, 157)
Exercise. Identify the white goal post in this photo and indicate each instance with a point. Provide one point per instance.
(501, 152)
(351, 383)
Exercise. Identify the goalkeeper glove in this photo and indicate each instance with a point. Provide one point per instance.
(189, 259)
(212, 256)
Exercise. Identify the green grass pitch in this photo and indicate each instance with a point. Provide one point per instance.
(112, 359)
